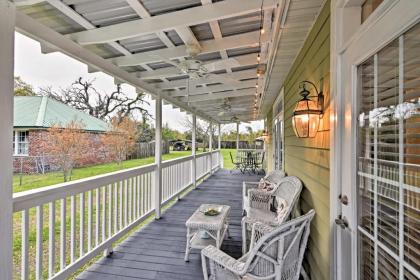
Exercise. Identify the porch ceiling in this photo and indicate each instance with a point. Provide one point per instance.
(140, 42)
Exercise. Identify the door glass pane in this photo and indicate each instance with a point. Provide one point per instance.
(411, 182)
(366, 147)
(389, 160)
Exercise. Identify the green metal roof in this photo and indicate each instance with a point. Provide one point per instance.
(43, 112)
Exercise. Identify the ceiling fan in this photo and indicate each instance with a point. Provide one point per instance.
(227, 107)
(234, 119)
(196, 68)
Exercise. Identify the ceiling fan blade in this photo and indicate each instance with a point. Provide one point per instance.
(221, 64)
(221, 113)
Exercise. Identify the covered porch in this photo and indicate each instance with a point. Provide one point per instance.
(211, 59)
(336, 83)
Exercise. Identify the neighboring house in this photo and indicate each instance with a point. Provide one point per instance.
(33, 115)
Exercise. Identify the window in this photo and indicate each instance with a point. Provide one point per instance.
(388, 161)
(278, 134)
(20, 142)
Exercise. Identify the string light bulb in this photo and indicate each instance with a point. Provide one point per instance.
(258, 58)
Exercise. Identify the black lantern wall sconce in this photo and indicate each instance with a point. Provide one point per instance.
(308, 111)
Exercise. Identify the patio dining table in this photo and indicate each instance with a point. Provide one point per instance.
(250, 160)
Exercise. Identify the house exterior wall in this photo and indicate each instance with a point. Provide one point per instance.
(95, 153)
(309, 159)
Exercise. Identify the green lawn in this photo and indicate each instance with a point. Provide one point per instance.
(33, 181)
(227, 162)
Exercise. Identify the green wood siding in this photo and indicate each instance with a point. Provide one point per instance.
(309, 159)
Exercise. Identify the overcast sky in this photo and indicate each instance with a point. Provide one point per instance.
(59, 71)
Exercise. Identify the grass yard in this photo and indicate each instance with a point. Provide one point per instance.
(33, 181)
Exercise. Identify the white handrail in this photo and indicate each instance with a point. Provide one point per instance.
(99, 209)
(31, 198)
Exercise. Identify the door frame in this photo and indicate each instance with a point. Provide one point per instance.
(352, 43)
(276, 117)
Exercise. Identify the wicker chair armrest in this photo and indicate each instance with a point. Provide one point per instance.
(246, 186)
(221, 258)
(260, 199)
(259, 230)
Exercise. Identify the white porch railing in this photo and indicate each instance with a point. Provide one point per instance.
(85, 217)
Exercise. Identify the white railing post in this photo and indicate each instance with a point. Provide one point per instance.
(7, 30)
(211, 147)
(157, 191)
(193, 147)
(219, 137)
(237, 137)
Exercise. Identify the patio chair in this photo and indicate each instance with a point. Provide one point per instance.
(237, 164)
(273, 178)
(276, 253)
(261, 202)
(258, 165)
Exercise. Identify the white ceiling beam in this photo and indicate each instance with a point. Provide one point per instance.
(182, 18)
(239, 75)
(209, 89)
(248, 59)
(217, 33)
(237, 41)
(62, 7)
(185, 33)
(218, 95)
(39, 32)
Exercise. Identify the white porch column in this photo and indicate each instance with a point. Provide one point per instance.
(193, 147)
(219, 144)
(211, 147)
(219, 137)
(237, 137)
(7, 29)
(158, 158)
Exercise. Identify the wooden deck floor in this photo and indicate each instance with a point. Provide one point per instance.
(157, 250)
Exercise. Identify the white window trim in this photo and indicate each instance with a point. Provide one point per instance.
(279, 116)
(16, 138)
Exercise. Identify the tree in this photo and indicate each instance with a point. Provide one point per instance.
(202, 131)
(171, 134)
(121, 139)
(145, 131)
(67, 144)
(21, 88)
(83, 96)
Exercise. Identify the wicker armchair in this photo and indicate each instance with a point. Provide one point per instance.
(289, 189)
(276, 253)
(274, 178)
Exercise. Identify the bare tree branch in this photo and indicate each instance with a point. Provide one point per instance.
(83, 96)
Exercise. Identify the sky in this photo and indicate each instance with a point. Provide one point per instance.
(57, 70)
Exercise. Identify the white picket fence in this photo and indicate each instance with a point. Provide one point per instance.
(85, 217)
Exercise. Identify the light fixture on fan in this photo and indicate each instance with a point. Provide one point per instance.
(308, 111)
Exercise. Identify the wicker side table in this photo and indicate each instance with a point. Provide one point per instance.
(215, 227)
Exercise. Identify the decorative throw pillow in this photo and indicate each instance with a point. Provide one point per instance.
(265, 185)
(282, 209)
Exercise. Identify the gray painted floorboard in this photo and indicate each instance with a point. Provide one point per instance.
(156, 251)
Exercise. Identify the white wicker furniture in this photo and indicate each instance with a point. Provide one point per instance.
(277, 254)
(273, 178)
(215, 227)
(289, 189)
